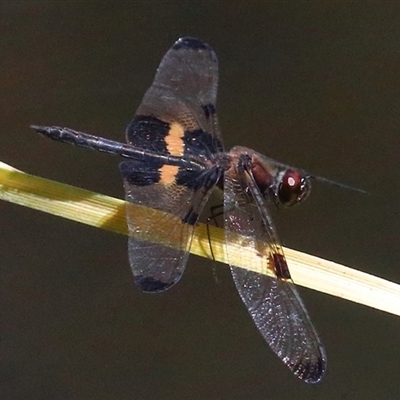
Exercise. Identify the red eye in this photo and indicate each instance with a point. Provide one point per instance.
(293, 188)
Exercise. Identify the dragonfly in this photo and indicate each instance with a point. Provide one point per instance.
(173, 159)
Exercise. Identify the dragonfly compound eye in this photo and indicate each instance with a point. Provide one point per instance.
(293, 188)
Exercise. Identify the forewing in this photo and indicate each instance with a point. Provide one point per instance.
(176, 119)
(184, 91)
(273, 302)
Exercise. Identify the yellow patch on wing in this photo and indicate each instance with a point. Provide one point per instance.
(174, 140)
(168, 173)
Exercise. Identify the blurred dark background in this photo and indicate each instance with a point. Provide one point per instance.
(315, 85)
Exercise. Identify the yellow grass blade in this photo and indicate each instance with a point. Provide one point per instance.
(109, 213)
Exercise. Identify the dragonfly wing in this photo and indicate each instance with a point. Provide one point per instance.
(159, 242)
(176, 119)
(184, 92)
(273, 302)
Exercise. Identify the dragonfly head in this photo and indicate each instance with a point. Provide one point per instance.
(293, 186)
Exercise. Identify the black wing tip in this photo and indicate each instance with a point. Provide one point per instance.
(151, 285)
(311, 372)
(191, 43)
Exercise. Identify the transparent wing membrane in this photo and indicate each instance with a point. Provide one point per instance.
(273, 302)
